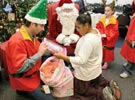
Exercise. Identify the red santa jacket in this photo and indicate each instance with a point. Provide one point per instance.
(19, 48)
(55, 29)
(111, 31)
(127, 51)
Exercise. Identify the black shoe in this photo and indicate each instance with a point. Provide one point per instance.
(21, 92)
(0, 77)
(24, 93)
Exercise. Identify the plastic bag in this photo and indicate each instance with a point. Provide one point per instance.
(54, 73)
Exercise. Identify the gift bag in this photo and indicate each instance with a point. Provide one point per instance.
(51, 71)
(65, 86)
(54, 73)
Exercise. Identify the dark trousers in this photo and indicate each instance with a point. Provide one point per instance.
(0, 77)
(130, 67)
(89, 90)
(39, 95)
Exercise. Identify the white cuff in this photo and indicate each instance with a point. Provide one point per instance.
(74, 37)
(103, 35)
(60, 38)
(133, 43)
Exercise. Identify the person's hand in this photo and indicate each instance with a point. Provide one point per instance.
(133, 43)
(103, 35)
(59, 55)
(62, 56)
(67, 41)
(42, 49)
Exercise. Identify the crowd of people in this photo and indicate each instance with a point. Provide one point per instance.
(89, 50)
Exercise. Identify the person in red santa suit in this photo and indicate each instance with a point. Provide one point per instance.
(108, 27)
(62, 28)
(128, 50)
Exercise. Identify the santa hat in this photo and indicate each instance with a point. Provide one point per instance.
(65, 4)
(38, 14)
(68, 6)
(64, 1)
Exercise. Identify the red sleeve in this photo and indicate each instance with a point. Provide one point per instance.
(131, 30)
(18, 56)
(100, 27)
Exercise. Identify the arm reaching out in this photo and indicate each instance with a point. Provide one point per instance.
(62, 56)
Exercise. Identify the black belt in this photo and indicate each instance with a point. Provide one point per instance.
(108, 48)
(129, 44)
(20, 75)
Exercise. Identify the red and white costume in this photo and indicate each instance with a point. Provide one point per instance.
(112, 33)
(62, 26)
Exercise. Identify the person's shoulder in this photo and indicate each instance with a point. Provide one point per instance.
(101, 20)
(103, 17)
(89, 37)
(132, 22)
(16, 36)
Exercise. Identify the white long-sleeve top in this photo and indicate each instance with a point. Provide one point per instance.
(88, 57)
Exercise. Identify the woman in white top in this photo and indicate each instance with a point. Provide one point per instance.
(88, 82)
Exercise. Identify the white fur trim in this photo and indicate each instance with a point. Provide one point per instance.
(35, 20)
(74, 37)
(58, 9)
(68, 6)
(60, 38)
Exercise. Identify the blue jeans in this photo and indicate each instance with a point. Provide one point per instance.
(39, 95)
(36, 94)
(130, 67)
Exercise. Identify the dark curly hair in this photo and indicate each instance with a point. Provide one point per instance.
(84, 18)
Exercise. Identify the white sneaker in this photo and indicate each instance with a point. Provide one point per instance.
(124, 74)
(107, 93)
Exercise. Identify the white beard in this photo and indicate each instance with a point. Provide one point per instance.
(68, 21)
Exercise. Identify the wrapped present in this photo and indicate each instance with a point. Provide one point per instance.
(54, 47)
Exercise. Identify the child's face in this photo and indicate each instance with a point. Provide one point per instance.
(82, 29)
(108, 11)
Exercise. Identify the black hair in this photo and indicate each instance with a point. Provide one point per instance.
(84, 18)
(27, 23)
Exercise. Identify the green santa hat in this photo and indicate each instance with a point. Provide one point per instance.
(38, 14)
